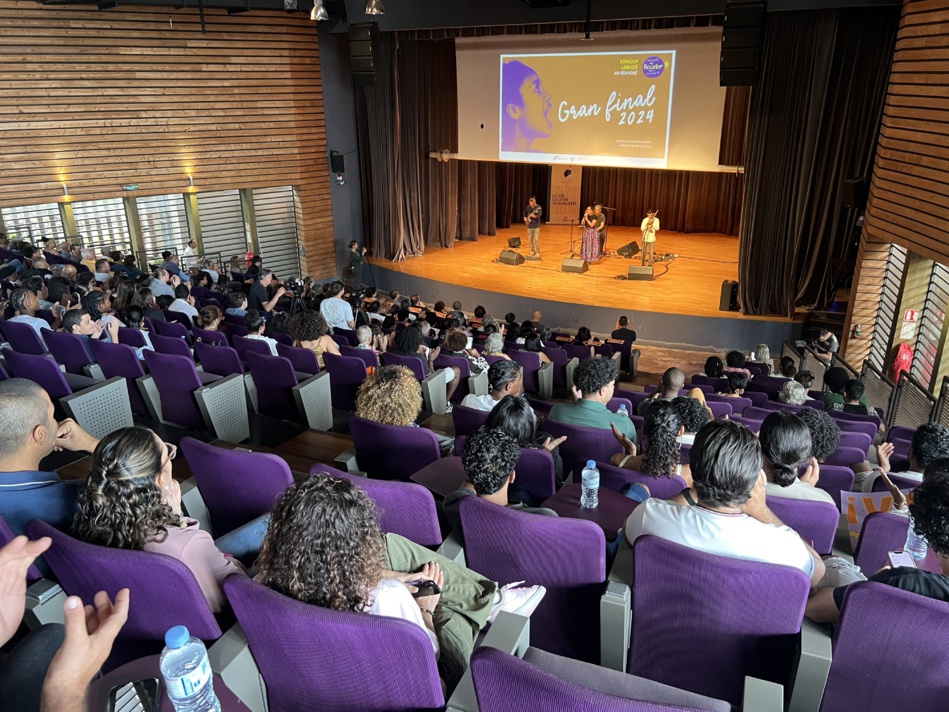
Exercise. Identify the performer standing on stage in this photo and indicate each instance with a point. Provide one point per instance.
(532, 215)
(600, 226)
(650, 227)
(590, 241)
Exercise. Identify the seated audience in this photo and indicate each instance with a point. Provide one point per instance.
(411, 342)
(826, 345)
(930, 443)
(659, 455)
(131, 501)
(391, 396)
(324, 548)
(853, 392)
(136, 320)
(184, 302)
(593, 383)
(455, 342)
(763, 357)
(255, 330)
(806, 379)
(238, 302)
(336, 310)
(735, 363)
(309, 330)
(792, 393)
(537, 320)
(737, 383)
(79, 323)
(623, 332)
(504, 379)
(259, 298)
(515, 416)
(824, 431)
(786, 448)
(209, 318)
(494, 346)
(163, 283)
(583, 337)
(152, 311)
(533, 344)
(788, 368)
(725, 512)
(670, 384)
(369, 340)
(836, 379)
(26, 304)
(714, 368)
(693, 414)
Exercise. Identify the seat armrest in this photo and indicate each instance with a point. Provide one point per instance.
(812, 669)
(251, 389)
(94, 370)
(762, 696)
(571, 367)
(223, 405)
(102, 408)
(622, 571)
(634, 355)
(615, 623)
(545, 381)
(194, 506)
(231, 658)
(314, 401)
(433, 393)
(346, 461)
(478, 385)
(510, 633)
(451, 548)
(149, 391)
(44, 604)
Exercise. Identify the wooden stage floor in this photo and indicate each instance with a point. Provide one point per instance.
(690, 285)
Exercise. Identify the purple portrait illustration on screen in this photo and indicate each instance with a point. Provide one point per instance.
(524, 108)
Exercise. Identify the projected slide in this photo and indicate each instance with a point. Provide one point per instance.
(606, 108)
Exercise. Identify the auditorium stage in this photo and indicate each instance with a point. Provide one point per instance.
(674, 308)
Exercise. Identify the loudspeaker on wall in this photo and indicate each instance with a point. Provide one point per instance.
(742, 36)
(572, 265)
(362, 41)
(510, 257)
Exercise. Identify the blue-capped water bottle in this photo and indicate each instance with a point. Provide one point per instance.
(915, 545)
(622, 410)
(187, 672)
(590, 495)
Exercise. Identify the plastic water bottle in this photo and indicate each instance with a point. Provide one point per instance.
(187, 673)
(915, 545)
(590, 496)
(622, 410)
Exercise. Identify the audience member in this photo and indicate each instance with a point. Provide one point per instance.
(238, 302)
(537, 322)
(308, 330)
(788, 367)
(171, 265)
(714, 368)
(930, 443)
(825, 433)
(391, 396)
(623, 332)
(515, 416)
(337, 311)
(594, 381)
(494, 346)
(533, 344)
(693, 414)
(826, 345)
(163, 283)
(792, 393)
(835, 379)
(735, 363)
(255, 324)
(411, 342)
(670, 384)
(737, 383)
(184, 302)
(806, 379)
(26, 304)
(763, 358)
(209, 318)
(504, 379)
(583, 337)
(786, 449)
(80, 324)
(455, 342)
(660, 452)
(853, 392)
(258, 298)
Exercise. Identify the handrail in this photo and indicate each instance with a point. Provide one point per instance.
(878, 388)
(838, 360)
(913, 404)
(941, 412)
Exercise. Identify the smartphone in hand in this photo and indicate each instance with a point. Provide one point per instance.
(900, 558)
(425, 588)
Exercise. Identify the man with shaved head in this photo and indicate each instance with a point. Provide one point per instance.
(672, 382)
(29, 433)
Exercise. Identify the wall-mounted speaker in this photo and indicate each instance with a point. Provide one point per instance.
(362, 44)
(729, 299)
(337, 162)
(853, 193)
(572, 265)
(514, 242)
(742, 36)
(628, 250)
(510, 257)
(641, 273)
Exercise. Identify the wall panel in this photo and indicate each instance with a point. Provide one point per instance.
(141, 95)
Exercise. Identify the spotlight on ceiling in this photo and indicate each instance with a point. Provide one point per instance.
(319, 13)
(375, 7)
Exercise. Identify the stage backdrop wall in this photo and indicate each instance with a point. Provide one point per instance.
(141, 95)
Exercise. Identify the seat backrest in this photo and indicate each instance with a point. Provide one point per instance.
(573, 351)
(346, 661)
(303, 360)
(530, 364)
(39, 369)
(23, 338)
(846, 456)
(242, 345)
(176, 317)
(173, 329)
(883, 627)
(536, 473)
(176, 379)
(132, 337)
(721, 410)
(163, 591)
(402, 508)
(6, 536)
(121, 360)
(567, 556)
(558, 357)
(582, 444)
(881, 533)
(613, 478)
(778, 405)
(770, 381)
(210, 337)
(719, 384)
(740, 618)
(236, 486)
(346, 375)
(171, 345)
(739, 405)
(851, 423)
(275, 379)
(410, 362)
(368, 356)
(835, 479)
(219, 360)
(69, 351)
(756, 413)
(861, 441)
(816, 521)
(467, 420)
(392, 452)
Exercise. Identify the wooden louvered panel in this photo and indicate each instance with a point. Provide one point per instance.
(141, 95)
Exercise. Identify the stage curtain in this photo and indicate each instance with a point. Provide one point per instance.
(814, 120)
(731, 150)
(688, 201)
(515, 184)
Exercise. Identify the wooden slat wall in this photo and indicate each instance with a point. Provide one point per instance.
(909, 191)
(141, 95)
(864, 300)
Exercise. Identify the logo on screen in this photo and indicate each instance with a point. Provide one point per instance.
(653, 67)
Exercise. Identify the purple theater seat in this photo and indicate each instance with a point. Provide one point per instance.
(392, 452)
(835, 479)
(778, 405)
(132, 337)
(410, 362)
(347, 373)
(582, 444)
(46, 372)
(313, 657)
(558, 357)
(209, 337)
(236, 486)
(238, 329)
(721, 409)
(22, 338)
(121, 360)
(567, 556)
(861, 441)
(219, 360)
(735, 619)
(851, 419)
(402, 508)
(775, 382)
(6, 536)
(284, 339)
(69, 351)
(173, 329)
(243, 345)
(719, 384)
(910, 646)
(367, 355)
(176, 317)
(176, 379)
(467, 420)
(577, 352)
(536, 473)
(900, 432)
(634, 397)
(756, 413)
(816, 521)
(616, 401)
(303, 360)
(613, 478)
(275, 378)
(881, 533)
(162, 591)
(530, 364)
(739, 405)
(171, 345)
(846, 456)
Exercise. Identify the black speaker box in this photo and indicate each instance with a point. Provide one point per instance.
(362, 43)
(572, 265)
(509, 257)
(628, 250)
(742, 35)
(514, 242)
(729, 298)
(644, 273)
(337, 162)
(853, 193)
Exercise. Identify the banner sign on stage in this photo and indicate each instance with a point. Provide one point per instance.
(564, 195)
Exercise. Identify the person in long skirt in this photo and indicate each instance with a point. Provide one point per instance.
(590, 241)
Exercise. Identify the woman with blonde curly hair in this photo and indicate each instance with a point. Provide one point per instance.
(391, 396)
(131, 501)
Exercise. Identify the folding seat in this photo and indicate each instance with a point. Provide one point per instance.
(70, 352)
(210, 337)
(835, 479)
(243, 345)
(392, 452)
(176, 317)
(861, 441)
(433, 385)
(119, 360)
(347, 373)
(815, 521)
(582, 444)
(719, 384)
(466, 420)
(132, 337)
(173, 329)
(44, 597)
(577, 352)
(276, 391)
(368, 356)
(218, 360)
(469, 383)
(22, 338)
(738, 404)
(881, 533)
(846, 456)
(563, 365)
(614, 478)
(538, 377)
(171, 345)
(721, 409)
(303, 360)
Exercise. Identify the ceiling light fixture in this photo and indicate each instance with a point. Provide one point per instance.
(319, 13)
(375, 7)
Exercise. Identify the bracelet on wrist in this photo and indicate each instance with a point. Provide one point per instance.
(429, 611)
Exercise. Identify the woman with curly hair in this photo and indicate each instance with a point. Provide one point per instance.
(324, 548)
(391, 396)
(309, 330)
(792, 393)
(660, 456)
(131, 501)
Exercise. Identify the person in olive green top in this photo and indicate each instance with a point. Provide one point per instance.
(836, 380)
(356, 259)
(593, 385)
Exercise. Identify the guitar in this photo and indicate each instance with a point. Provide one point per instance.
(649, 225)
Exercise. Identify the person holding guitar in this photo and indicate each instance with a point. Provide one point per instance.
(650, 227)
(532, 215)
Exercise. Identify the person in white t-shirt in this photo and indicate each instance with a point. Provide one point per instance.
(504, 379)
(725, 512)
(255, 330)
(184, 302)
(26, 304)
(337, 311)
(786, 448)
(649, 228)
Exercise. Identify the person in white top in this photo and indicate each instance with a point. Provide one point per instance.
(930, 443)
(188, 259)
(255, 330)
(184, 302)
(26, 304)
(504, 379)
(650, 227)
(786, 448)
(725, 512)
(337, 311)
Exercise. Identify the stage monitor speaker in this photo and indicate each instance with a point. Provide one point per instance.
(510, 257)
(337, 162)
(628, 250)
(362, 44)
(729, 298)
(572, 265)
(853, 193)
(742, 36)
(514, 242)
(642, 273)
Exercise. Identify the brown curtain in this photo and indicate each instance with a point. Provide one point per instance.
(688, 201)
(515, 184)
(814, 119)
(731, 150)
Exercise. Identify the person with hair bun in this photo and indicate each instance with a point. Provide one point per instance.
(209, 318)
(659, 455)
(131, 501)
(785, 449)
